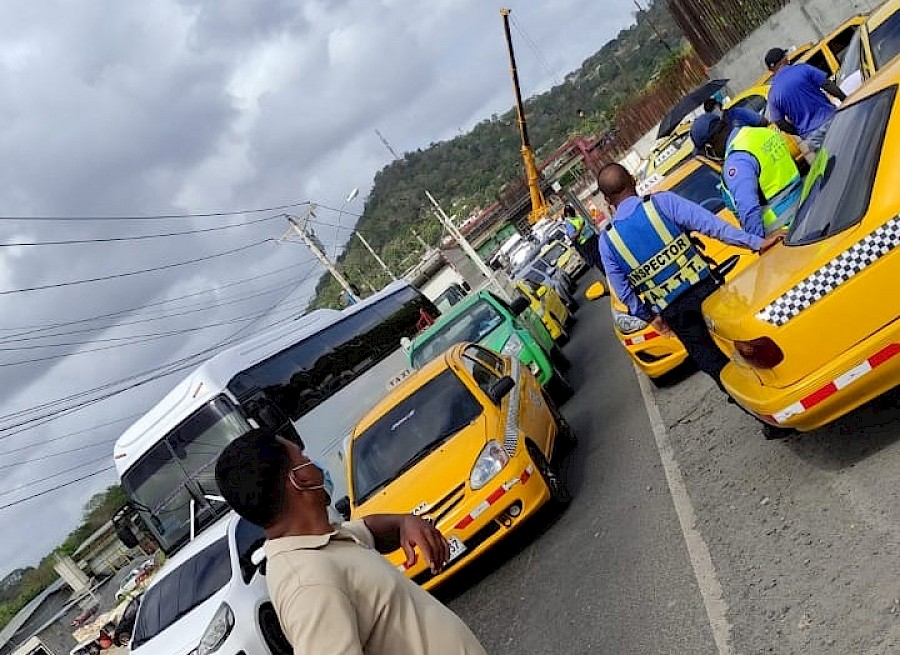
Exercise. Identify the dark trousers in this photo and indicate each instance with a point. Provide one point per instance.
(590, 252)
(684, 317)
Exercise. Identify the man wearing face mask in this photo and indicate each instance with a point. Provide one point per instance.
(331, 589)
(758, 172)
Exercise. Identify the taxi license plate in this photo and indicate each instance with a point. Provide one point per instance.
(457, 548)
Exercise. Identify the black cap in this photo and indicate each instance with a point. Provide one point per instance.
(774, 56)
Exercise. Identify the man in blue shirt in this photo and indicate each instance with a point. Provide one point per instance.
(655, 269)
(761, 180)
(797, 93)
(739, 116)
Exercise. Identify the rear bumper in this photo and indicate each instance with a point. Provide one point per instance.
(654, 354)
(485, 517)
(859, 375)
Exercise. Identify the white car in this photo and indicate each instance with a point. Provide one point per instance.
(211, 598)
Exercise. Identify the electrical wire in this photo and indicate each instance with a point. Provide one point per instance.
(159, 217)
(50, 476)
(56, 488)
(69, 435)
(154, 269)
(41, 458)
(138, 237)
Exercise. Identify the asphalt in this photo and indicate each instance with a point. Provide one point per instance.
(611, 574)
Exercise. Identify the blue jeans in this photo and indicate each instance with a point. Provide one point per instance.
(814, 139)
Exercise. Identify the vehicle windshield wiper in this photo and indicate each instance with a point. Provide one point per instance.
(418, 457)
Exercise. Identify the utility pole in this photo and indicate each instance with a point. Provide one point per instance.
(375, 255)
(421, 241)
(460, 239)
(653, 26)
(301, 228)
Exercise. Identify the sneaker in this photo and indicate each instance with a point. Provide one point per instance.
(774, 432)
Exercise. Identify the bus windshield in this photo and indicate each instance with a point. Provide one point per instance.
(181, 467)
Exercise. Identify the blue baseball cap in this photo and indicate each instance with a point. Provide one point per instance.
(703, 129)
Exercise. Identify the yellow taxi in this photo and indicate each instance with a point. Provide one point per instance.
(546, 303)
(813, 324)
(564, 257)
(655, 354)
(467, 442)
(670, 151)
(875, 44)
(756, 99)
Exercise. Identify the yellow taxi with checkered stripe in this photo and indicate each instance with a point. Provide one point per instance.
(468, 442)
(813, 324)
(697, 180)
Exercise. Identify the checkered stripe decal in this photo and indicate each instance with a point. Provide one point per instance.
(511, 430)
(840, 269)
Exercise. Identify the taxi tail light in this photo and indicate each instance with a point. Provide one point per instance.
(760, 353)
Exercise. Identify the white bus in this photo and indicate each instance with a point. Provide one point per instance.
(311, 380)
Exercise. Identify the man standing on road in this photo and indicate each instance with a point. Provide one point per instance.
(657, 271)
(796, 94)
(760, 177)
(331, 589)
(583, 235)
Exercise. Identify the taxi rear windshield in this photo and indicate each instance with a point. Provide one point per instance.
(838, 187)
(415, 427)
(885, 41)
(702, 187)
(473, 325)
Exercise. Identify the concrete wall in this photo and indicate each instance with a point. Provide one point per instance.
(797, 23)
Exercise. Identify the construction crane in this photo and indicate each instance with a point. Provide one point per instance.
(539, 205)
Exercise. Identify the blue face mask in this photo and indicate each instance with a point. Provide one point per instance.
(327, 483)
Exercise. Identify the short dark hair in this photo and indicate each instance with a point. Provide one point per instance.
(569, 211)
(251, 473)
(614, 179)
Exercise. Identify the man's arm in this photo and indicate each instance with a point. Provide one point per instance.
(692, 217)
(741, 175)
(618, 279)
(393, 531)
(744, 116)
(831, 88)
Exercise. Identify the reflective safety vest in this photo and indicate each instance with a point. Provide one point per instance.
(661, 259)
(779, 180)
(583, 231)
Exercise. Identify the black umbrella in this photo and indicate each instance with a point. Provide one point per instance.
(688, 104)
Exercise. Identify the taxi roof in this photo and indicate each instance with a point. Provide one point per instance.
(416, 380)
(885, 77)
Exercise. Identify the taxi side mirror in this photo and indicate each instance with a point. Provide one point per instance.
(519, 305)
(500, 389)
(343, 507)
(596, 290)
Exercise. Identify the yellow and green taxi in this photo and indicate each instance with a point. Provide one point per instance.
(546, 303)
(654, 354)
(564, 257)
(813, 324)
(467, 442)
(670, 151)
(875, 44)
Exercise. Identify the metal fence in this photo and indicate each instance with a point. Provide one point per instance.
(713, 27)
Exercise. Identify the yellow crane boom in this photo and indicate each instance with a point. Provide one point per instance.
(539, 205)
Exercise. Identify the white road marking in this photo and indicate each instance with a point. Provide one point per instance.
(698, 551)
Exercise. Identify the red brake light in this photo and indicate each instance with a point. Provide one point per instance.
(761, 352)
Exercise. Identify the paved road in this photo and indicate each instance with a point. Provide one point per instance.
(612, 574)
(803, 534)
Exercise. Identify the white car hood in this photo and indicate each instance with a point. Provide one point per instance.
(184, 635)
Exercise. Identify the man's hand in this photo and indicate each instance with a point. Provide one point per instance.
(415, 531)
(772, 240)
(661, 326)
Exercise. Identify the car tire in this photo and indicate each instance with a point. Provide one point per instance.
(122, 639)
(559, 389)
(559, 360)
(559, 492)
(562, 339)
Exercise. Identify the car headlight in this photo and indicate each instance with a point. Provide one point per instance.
(217, 631)
(627, 323)
(512, 347)
(490, 462)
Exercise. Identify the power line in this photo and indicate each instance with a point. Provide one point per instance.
(41, 458)
(31, 329)
(104, 278)
(138, 237)
(25, 485)
(158, 217)
(56, 488)
(73, 434)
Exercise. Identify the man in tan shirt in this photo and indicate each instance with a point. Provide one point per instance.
(333, 592)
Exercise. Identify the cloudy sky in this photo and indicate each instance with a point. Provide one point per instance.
(112, 109)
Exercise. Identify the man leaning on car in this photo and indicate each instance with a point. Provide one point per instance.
(331, 589)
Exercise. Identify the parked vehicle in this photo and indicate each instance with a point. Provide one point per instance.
(874, 46)
(514, 330)
(547, 304)
(564, 257)
(211, 598)
(124, 628)
(838, 266)
(468, 442)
